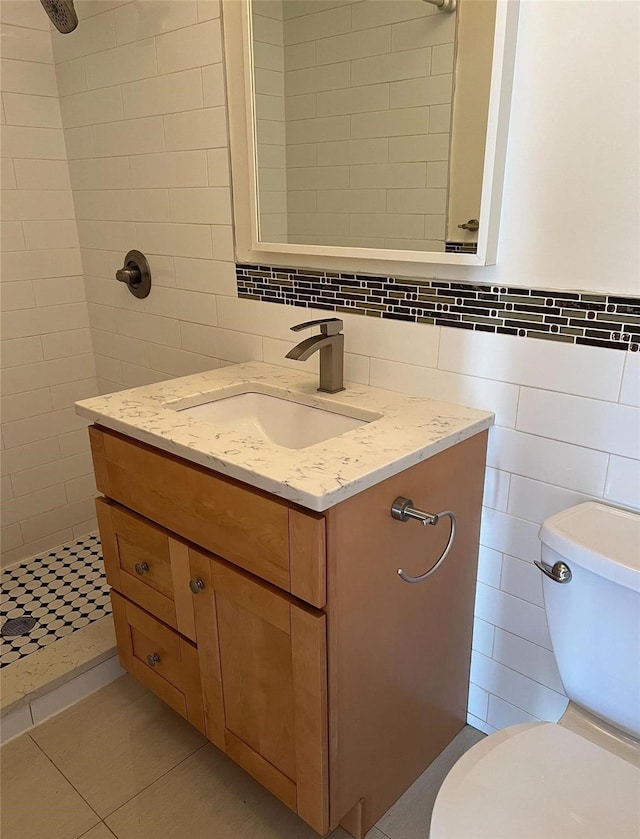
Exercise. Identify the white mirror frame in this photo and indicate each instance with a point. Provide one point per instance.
(249, 249)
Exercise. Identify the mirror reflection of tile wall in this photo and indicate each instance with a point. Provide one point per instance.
(268, 62)
(364, 89)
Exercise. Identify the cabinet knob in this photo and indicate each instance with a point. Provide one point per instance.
(141, 567)
(197, 585)
(152, 660)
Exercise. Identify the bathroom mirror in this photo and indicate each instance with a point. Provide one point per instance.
(368, 135)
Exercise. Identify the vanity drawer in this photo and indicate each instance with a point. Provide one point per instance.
(159, 658)
(147, 565)
(249, 528)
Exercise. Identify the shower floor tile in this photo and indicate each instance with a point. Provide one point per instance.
(63, 591)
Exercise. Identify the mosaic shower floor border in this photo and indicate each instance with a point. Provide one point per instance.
(63, 590)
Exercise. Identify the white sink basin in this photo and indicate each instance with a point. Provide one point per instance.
(280, 421)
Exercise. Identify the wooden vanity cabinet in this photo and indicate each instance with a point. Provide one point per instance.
(287, 636)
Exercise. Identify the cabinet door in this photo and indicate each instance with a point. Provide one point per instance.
(263, 668)
(147, 565)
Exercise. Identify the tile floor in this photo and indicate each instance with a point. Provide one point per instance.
(63, 591)
(121, 763)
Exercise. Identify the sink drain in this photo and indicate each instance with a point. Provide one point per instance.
(17, 626)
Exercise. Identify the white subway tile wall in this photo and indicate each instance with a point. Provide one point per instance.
(359, 79)
(142, 93)
(548, 449)
(47, 359)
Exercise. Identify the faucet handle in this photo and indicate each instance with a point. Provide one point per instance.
(328, 326)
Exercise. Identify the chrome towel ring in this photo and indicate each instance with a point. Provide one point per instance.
(402, 509)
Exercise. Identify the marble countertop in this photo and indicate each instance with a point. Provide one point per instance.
(409, 430)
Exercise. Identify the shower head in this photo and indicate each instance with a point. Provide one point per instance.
(62, 14)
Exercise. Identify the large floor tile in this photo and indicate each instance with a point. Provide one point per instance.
(116, 742)
(410, 816)
(37, 801)
(208, 796)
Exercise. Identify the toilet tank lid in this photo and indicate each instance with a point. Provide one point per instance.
(597, 537)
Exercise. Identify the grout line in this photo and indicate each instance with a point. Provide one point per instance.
(91, 829)
(60, 772)
(155, 781)
(519, 673)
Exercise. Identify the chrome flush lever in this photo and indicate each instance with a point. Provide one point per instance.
(402, 509)
(559, 572)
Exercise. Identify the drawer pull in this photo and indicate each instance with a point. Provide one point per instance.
(141, 567)
(197, 585)
(152, 660)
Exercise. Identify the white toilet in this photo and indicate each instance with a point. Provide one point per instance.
(579, 777)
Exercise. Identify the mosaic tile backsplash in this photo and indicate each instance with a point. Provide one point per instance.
(575, 317)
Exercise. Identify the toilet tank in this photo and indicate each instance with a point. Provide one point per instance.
(594, 620)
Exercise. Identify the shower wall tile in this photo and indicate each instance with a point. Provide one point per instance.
(119, 65)
(208, 9)
(30, 142)
(67, 343)
(71, 76)
(46, 355)
(381, 14)
(203, 129)
(21, 351)
(41, 174)
(171, 169)
(12, 235)
(213, 88)
(52, 234)
(194, 46)
(92, 107)
(155, 177)
(100, 173)
(24, 13)
(163, 95)
(140, 20)
(27, 76)
(7, 173)
(96, 34)
(33, 429)
(131, 137)
(43, 320)
(22, 109)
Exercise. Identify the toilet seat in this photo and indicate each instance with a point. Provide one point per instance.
(538, 781)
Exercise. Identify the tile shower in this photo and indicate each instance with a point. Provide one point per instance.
(145, 152)
(51, 596)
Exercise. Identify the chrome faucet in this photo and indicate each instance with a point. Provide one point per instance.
(330, 342)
